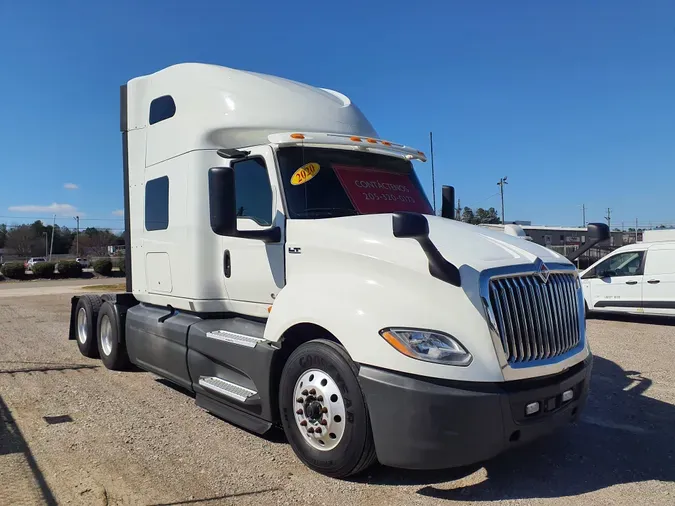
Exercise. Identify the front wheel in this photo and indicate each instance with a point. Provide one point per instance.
(323, 411)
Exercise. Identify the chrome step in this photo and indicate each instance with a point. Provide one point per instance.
(226, 388)
(234, 338)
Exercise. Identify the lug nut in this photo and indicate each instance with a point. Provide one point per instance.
(323, 422)
(324, 409)
(310, 430)
(312, 391)
(300, 400)
(303, 422)
(320, 398)
(304, 392)
(299, 412)
(318, 430)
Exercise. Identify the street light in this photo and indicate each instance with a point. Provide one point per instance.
(501, 184)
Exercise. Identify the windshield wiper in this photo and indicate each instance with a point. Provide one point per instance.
(329, 211)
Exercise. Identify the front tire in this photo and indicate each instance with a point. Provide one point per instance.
(323, 410)
(111, 345)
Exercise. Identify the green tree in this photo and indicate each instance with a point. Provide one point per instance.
(467, 215)
(3, 234)
(488, 216)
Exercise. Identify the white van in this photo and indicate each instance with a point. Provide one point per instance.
(638, 278)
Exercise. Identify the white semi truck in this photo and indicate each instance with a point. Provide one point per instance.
(285, 265)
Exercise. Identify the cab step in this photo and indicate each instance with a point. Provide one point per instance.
(226, 388)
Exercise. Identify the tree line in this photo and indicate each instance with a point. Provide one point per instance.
(480, 216)
(36, 240)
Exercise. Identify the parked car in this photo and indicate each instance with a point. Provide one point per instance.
(32, 261)
(83, 262)
(638, 278)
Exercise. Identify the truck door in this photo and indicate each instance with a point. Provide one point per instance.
(658, 284)
(616, 282)
(253, 271)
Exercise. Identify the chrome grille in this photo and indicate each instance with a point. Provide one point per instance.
(536, 320)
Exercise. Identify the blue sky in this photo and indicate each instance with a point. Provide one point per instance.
(573, 101)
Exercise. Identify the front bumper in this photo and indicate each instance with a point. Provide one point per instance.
(422, 423)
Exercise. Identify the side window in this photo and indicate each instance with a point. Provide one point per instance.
(254, 193)
(162, 108)
(157, 204)
(623, 264)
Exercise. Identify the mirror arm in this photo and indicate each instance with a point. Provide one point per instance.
(407, 225)
(270, 235)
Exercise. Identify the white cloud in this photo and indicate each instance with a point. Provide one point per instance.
(118, 212)
(59, 209)
(71, 186)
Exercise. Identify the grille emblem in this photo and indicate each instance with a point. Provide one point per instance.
(543, 272)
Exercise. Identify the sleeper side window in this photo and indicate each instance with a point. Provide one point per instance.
(162, 108)
(157, 204)
(253, 191)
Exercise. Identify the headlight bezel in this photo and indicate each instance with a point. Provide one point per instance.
(392, 335)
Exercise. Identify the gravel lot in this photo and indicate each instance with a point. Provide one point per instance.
(134, 440)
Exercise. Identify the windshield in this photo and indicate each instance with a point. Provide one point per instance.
(321, 183)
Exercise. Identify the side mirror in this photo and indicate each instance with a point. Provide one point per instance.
(222, 201)
(415, 226)
(448, 206)
(597, 233)
(410, 226)
(223, 208)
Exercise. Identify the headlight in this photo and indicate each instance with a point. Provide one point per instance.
(428, 345)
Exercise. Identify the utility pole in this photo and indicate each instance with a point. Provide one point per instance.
(52, 245)
(433, 174)
(501, 184)
(46, 247)
(583, 215)
(636, 230)
(77, 237)
(609, 217)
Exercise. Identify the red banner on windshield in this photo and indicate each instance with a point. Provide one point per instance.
(375, 191)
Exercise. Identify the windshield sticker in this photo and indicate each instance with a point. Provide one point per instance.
(305, 173)
(376, 191)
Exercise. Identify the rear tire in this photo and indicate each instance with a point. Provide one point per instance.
(86, 316)
(329, 430)
(111, 346)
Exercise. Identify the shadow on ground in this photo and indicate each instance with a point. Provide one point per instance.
(11, 367)
(13, 442)
(622, 437)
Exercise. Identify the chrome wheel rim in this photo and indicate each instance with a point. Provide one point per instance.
(82, 325)
(319, 410)
(106, 335)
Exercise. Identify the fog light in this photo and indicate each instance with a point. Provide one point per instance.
(567, 395)
(531, 408)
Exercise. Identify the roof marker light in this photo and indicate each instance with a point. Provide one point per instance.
(297, 136)
(386, 143)
(372, 141)
(355, 139)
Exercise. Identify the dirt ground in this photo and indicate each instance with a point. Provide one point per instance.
(128, 438)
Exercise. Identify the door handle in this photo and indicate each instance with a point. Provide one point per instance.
(654, 281)
(227, 267)
(631, 282)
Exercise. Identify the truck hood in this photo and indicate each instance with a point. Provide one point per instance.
(460, 243)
